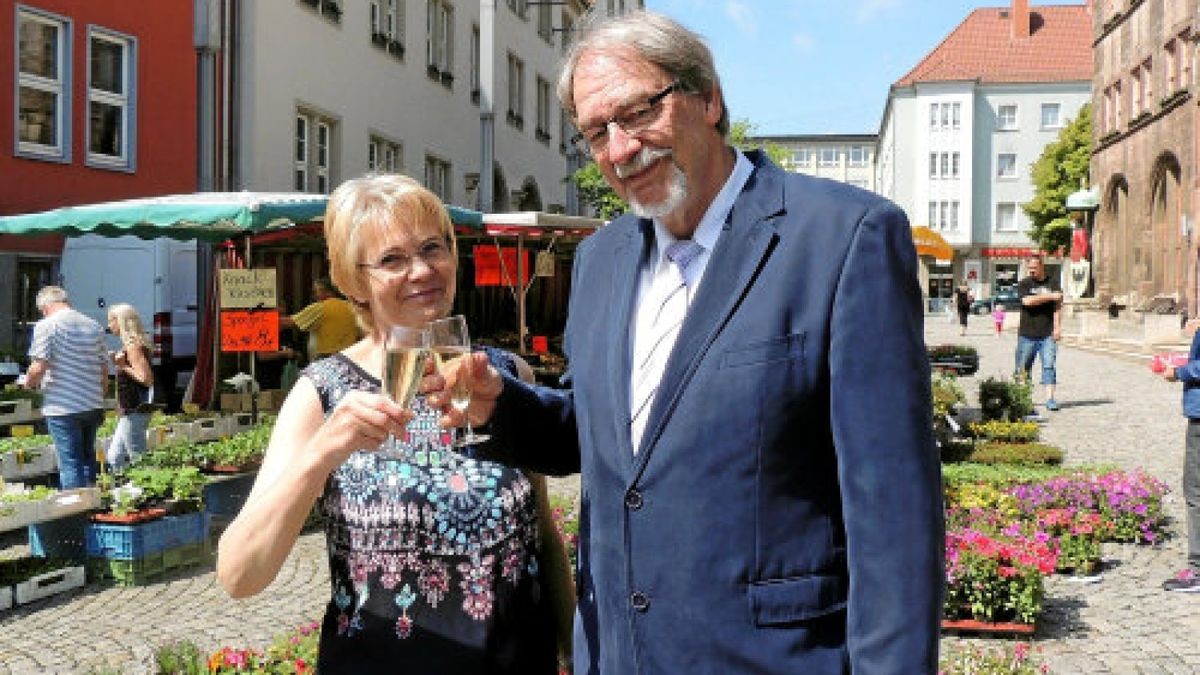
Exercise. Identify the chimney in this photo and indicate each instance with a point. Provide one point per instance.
(1020, 19)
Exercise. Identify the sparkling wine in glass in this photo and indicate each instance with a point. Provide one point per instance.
(452, 342)
(405, 352)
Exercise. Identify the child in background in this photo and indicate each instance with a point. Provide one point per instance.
(998, 318)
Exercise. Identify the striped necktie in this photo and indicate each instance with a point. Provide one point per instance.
(660, 315)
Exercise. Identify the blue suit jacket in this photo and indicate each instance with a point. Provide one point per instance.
(784, 512)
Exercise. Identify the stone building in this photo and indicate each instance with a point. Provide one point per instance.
(1144, 160)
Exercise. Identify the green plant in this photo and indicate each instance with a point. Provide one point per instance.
(1005, 400)
(179, 658)
(149, 484)
(1011, 432)
(1016, 453)
(947, 395)
(292, 653)
(1004, 476)
(937, 351)
(972, 659)
(242, 449)
(15, 393)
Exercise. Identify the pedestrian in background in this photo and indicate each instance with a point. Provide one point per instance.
(962, 302)
(329, 321)
(998, 318)
(134, 381)
(1040, 328)
(1188, 579)
(67, 360)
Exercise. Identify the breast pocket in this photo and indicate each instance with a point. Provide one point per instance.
(783, 348)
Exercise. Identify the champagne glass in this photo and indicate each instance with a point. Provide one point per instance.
(405, 352)
(451, 341)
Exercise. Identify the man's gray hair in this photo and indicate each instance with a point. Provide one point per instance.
(659, 40)
(48, 295)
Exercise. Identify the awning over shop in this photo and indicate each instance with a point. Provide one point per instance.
(930, 243)
(206, 216)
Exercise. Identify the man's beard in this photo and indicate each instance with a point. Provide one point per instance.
(677, 190)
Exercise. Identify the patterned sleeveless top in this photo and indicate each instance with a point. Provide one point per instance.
(433, 559)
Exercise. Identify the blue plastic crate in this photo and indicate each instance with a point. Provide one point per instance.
(224, 496)
(62, 538)
(131, 542)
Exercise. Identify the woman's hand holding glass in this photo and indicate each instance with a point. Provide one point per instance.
(405, 354)
(451, 343)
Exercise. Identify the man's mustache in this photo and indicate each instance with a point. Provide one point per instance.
(644, 158)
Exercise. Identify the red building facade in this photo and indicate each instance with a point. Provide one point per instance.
(97, 102)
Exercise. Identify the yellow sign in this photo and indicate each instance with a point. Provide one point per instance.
(247, 289)
(21, 430)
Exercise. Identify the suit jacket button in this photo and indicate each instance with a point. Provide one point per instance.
(639, 601)
(633, 499)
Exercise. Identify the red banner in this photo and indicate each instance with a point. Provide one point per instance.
(250, 331)
(489, 272)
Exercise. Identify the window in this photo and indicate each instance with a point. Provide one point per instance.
(1172, 51)
(954, 216)
(110, 113)
(1135, 93)
(516, 91)
(859, 155)
(945, 165)
(955, 115)
(1050, 116)
(383, 155)
(331, 10)
(437, 177)
(1006, 165)
(933, 116)
(543, 110)
(933, 165)
(1148, 84)
(944, 219)
(519, 7)
(954, 164)
(802, 157)
(1006, 118)
(566, 129)
(43, 86)
(313, 152)
(439, 24)
(829, 157)
(475, 86)
(545, 22)
(1006, 217)
(945, 115)
(387, 25)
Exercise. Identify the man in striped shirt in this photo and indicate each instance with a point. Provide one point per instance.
(68, 361)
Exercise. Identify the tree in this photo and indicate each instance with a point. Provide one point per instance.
(1057, 173)
(595, 191)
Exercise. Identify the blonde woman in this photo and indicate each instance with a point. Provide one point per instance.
(134, 379)
(440, 561)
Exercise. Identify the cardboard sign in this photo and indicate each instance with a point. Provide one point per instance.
(488, 271)
(247, 289)
(243, 331)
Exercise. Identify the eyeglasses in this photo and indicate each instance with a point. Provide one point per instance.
(398, 264)
(635, 122)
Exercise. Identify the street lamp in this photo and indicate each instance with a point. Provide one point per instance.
(1081, 208)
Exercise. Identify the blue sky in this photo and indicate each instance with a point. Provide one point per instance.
(817, 66)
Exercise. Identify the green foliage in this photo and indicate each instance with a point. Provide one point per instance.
(740, 132)
(595, 191)
(962, 658)
(1056, 174)
(999, 475)
(1003, 400)
(14, 393)
(184, 485)
(937, 351)
(24, 444)
(180, 658)
(1012, 432)
(947, 395)
(1016, 453)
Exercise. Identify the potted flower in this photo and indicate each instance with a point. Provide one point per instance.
(995, 580)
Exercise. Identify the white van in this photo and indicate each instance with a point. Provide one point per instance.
(156, 276)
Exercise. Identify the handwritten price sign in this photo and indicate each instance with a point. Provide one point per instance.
(249, 331)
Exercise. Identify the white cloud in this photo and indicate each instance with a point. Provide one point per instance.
(868, 10)
(803, 42)
(740, 14)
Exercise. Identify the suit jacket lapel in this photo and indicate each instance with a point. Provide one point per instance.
(740, 252)
(628, 256)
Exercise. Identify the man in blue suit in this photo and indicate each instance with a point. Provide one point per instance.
(764, 495)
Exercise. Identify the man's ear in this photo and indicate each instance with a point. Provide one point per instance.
(712, 106)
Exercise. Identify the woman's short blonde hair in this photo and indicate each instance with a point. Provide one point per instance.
(375, 208)
(129, 325)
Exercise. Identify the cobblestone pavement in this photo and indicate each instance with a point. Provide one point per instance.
(1113, 411)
